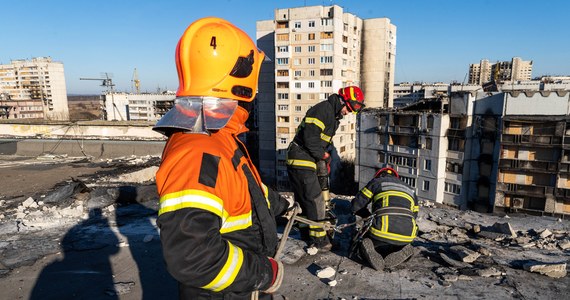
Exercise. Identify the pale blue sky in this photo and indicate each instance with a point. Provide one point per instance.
(436, 39)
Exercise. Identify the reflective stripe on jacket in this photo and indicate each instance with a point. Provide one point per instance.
(314, 134)
(396, 208)
(216, 217)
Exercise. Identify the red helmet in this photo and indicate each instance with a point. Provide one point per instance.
(353, 98)
(386, 172)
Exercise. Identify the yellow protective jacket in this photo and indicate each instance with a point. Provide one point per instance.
(216, 217)
(314, 134)
(396, 207)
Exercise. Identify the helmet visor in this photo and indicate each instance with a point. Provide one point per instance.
(197, 115)
(354, 106)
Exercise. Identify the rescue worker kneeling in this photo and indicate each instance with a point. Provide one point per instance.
(216, 217)
(395, 209)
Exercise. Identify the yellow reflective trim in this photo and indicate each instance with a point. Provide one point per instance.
(414, 231)
(229, 272)
(366, 192)
(317, 233)
(395, 193)
(302, 163)
(384, 223)
(234, 223)
(192, 198)
(391, 236)
(266, 194)
(325, 138)
(316, 122)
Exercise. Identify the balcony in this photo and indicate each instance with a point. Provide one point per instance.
(402, 149)
(525, 190)
(563, 194)
(404, 130)
(535, 166)
(535, 140)
(455, 133)
(564, 167)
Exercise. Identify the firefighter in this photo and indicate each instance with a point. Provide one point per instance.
(310, 147)
(216, 217)
(395, 208)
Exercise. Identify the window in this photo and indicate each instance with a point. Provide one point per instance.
(297, 24)
(312, 72)
(326, 35)
(453, 188)
(326, 22)
(297, 61)
(311, 85)
(283, 141)
(283, 61)
(326, 72)
(326, 47)
(283, 37)
(282, 107)
(282, 72)
(425, 186)
(311, 61)
(297, 49)
(427, 165)
(297, 108)
(297, 73)
(297, 37)
(283, 119)
(298, 96)
(297, 119)
(282, 96)
(282, 85)
(326, 59)
(311, 48)
(326, 83)
(297, 85)
(283, 49)
(344, 50)
(311, 36)
(311, 23)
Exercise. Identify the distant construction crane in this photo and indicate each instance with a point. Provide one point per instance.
(136, 83)
(108, 83)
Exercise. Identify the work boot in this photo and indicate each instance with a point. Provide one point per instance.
(323, 244)
(368, 253)
(395, 258)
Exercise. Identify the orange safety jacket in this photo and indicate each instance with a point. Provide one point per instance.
(216, 217)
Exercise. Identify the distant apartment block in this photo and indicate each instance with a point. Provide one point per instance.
(472, 149)
(314, 52)
(505, 71)
(136, 107)
(33, 89)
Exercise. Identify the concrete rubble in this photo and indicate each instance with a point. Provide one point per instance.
(459, 254)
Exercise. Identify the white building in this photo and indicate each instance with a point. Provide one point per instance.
(33, 89)
(136, 107)
(314, 52)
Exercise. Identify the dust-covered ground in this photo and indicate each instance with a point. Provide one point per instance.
(76, 228)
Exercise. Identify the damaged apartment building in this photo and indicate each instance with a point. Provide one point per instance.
(475, 150)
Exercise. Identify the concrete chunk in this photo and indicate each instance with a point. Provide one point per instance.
(467, 255)
(327, 272)
(505, 228)
(545, 233)
(548, 269)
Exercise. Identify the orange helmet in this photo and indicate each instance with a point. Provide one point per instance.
(353, 98)
(215, 58)
(386, 171)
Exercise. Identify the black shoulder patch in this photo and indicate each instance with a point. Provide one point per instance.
(209, 170)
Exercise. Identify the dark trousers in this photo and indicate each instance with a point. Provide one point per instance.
(308, 194)
(385, 248)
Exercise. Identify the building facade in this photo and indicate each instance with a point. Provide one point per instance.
(33, 89)
(505, 71)
(136, 107)
(315, 51)
(473, 149)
